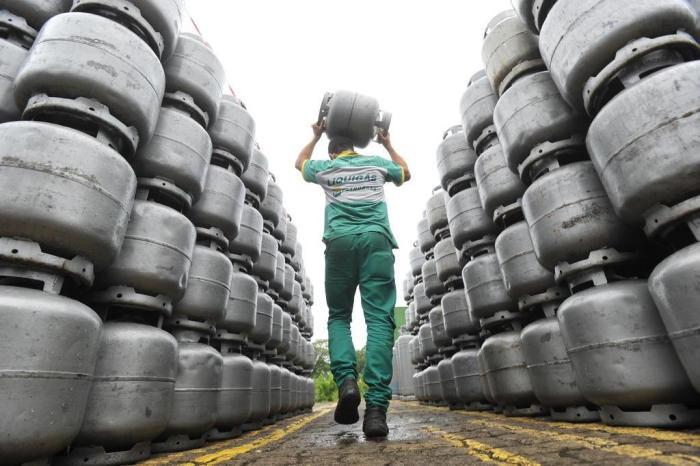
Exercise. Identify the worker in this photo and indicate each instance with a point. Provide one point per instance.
(359, 252)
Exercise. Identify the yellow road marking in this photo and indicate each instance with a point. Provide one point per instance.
(681, 438)
(228, 454)
(595, 443)
(173, 458)
(482, 451)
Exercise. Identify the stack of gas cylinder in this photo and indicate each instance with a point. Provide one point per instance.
(572, 204)
(152, 290)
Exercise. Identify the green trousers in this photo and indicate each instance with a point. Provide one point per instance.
(365, 260)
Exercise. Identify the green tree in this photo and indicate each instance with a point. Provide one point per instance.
(323, 360)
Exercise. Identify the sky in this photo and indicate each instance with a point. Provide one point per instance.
(415, 57)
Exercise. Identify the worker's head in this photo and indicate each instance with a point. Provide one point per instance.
(338, 145)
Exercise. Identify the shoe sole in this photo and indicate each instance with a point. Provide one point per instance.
(346, 410)
(376, 435)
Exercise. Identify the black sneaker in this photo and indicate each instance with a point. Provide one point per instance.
(374, 425)
(348, 401)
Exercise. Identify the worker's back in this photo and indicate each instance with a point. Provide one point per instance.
(354, 188)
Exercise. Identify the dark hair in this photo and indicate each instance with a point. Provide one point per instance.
(340, 144)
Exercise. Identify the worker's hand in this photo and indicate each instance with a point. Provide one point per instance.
(318, 129)
(384, 139)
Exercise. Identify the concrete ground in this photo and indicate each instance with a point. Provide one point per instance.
(422, 435)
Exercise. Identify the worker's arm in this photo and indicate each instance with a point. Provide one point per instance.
(385, 140)
(308, 149)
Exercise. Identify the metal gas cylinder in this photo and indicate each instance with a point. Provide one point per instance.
(423, 305)
(221, 204)
(286, 334)
(427, 344)
(416, 259)
(647, 156)
(294, 392)
(499, 186)
(276, 335)
(195, 71)
(476, 107)
(523, 275)
(294, 337)
(455, 159)
(410, 313)
(256, 175)
(353, 116)
(139, 363)
(45, 377)
(403, 344)
(240, 311)
(485, 290)
(414, 350)
(507, 373)
(287, 291)
(64, 190)
(467, 378)
(275, 389)
(286, 380)
(551, 373)
(437, 328)
(260, 334)
(61, 64)
(266, 265)
(446, 260)
(417, 386)
(156, 256)
(533, 112)
(436, 213)
(433, 387)
(570, 215)
(671, 286)
(509, 51)
(290, 241)
(407, 287)
(294, 306)
(467, 219)
(426, 240)
(14, 53)
(235, 397)
(233, 131)
(532, 12)
(197, 388)
(281, 229)
(271, 207)
(277, 283)
(485, 381)
(208, 287)
(36, 12)
(157, 22)
(261, 392)
(434, 288)
(458, 320)
(298, 261)
(630, 370)
(580, 39)
(249, 240)
(447, 383)
(178, 154)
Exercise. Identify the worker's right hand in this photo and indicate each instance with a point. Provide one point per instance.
(318, 129)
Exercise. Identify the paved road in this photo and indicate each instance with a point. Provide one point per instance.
(423, 435)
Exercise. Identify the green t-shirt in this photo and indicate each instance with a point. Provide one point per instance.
(354, 187)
